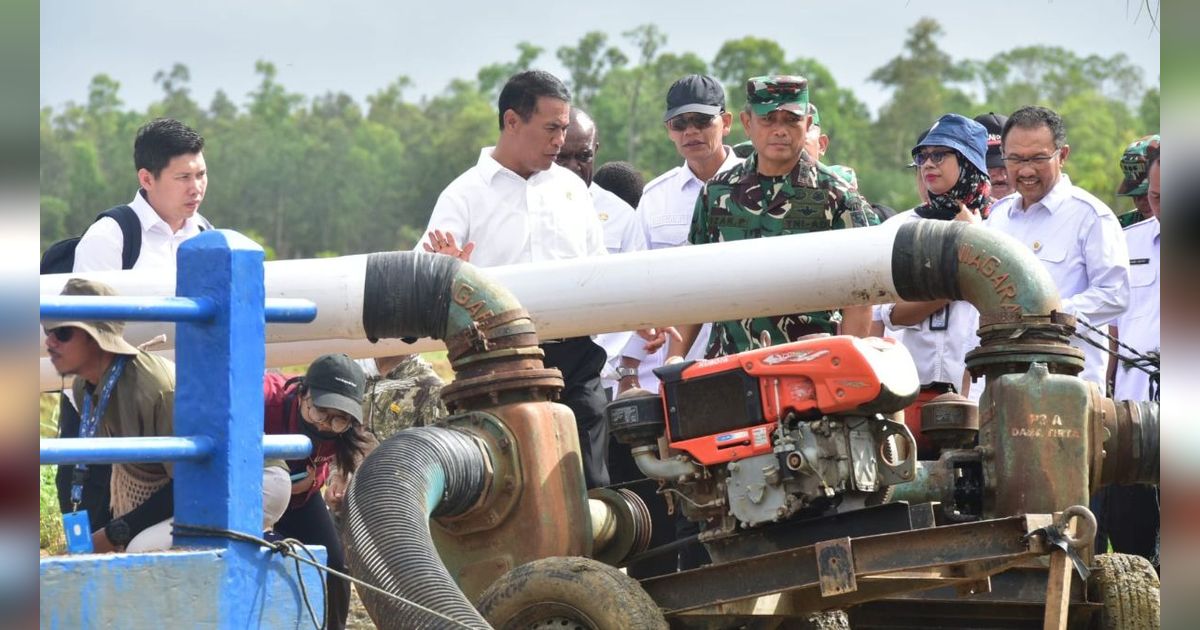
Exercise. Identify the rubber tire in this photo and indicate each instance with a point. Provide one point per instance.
(593, 595)
(1128, 588)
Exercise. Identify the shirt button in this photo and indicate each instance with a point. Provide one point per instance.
(1037, 245)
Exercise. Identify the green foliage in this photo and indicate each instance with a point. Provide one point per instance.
(308, 175)
(50, 527)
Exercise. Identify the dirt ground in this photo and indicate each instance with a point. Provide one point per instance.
(358, 618)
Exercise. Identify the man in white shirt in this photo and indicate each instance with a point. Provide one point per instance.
(517, 206)
(1074, 234)
(1128, 516)
(696, 121)
(172, 178)
(622, 232)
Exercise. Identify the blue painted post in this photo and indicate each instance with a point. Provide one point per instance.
(223, 399)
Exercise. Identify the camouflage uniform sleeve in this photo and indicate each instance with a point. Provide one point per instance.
(852, 210)
(698, 235)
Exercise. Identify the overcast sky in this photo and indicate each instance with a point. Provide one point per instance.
(358, 47)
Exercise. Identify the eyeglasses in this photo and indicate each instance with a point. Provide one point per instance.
(1013, 160)
(683, 121)
(583, 157)
(336, 420)
(63, 333)
(937, 157)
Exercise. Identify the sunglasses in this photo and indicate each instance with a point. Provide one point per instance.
(583, 157)
(683, 121)
(63, 333)
(937, 157)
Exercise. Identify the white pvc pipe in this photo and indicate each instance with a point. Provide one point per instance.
(568, 298)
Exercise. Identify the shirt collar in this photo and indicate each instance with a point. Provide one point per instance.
(731, 159)
(149, 218)
(488, 166)
(1053, 199)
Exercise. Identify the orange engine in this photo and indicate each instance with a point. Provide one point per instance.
(726, 409)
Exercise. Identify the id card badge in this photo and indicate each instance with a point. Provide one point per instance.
(78, 531)
(940, 319)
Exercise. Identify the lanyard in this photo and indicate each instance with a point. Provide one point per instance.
(90, 421)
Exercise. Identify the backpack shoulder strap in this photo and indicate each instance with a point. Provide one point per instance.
(131, 230)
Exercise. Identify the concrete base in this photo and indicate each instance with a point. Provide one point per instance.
(239, 588)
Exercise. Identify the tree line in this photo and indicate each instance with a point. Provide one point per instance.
(326, 175)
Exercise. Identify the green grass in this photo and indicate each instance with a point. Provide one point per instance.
(50, 518)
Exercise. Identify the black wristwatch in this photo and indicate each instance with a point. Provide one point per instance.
(625, 372)
(118, 533)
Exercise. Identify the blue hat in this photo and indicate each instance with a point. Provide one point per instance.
(960, 133)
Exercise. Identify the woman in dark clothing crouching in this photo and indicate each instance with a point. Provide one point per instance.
(326, 405)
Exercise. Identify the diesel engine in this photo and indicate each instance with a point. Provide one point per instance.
(775, 433)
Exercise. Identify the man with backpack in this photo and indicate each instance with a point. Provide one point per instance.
(145, 233)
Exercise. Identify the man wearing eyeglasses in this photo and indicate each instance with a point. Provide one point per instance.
(1074, 234)
(697, 123)
(780, 189)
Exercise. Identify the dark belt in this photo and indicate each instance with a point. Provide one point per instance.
(941, 388)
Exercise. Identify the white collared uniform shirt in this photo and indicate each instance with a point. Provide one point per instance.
(102, 244)
(940, 343)
(622, 233)
(514, 220)
(1079, 241)
(665, 214)
(1139, 326)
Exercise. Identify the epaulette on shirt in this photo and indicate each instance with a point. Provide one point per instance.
(1099, 207)
(660, 179)
(1139, 224)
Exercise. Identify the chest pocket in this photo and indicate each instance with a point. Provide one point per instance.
(612, 238)
(1051, 254)
(669, 230)
(1143, 276)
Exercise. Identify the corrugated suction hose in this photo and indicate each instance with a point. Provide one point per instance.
(412, 476)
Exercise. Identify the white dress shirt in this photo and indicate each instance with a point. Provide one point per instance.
(622, 233)
(665, 214)
(1139, 326)
(1079, 241)
(939, 344)
(103, 243)
(516, 220)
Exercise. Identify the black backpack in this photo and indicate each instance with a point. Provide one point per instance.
(60, 257)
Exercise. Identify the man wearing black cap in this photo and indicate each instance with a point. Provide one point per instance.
(994, 123)
(696, 121)
(780, 189)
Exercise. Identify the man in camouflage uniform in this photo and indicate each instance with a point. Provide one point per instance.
(1133, 166)
(404, 392)
(780, 189)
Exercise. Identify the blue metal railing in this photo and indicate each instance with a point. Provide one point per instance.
(218, 450)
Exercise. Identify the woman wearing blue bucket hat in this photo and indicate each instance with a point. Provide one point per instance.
(952, 162)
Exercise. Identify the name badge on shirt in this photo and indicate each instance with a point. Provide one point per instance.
(940, 318)
(1139, 261)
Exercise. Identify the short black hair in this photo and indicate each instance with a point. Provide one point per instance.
(622, 180)
(1034, 116)
(161, 140)
(522, 91)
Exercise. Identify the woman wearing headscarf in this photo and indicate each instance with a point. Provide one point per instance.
(326, 405)
(951, 162)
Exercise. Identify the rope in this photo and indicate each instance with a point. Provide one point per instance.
(1148, 363)
(286, 548)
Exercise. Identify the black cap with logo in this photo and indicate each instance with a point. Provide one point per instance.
(335, 381)
(994, 123)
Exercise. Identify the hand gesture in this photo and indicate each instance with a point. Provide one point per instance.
(443, 243)
(656, 337)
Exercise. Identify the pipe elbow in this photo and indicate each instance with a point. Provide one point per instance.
(991, 270)
(646, 458)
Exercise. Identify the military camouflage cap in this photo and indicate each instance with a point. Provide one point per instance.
(812, 111)
(770, 93)
(1133, 165)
